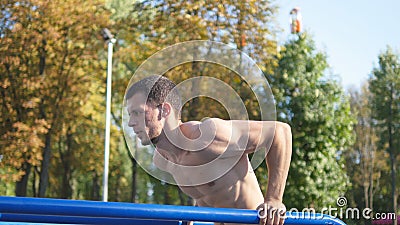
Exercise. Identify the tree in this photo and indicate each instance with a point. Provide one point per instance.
(365, 162)
(50, 64)
(319, 113)
(152, 25)
(384, 84)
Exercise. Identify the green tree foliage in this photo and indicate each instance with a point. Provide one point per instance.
(366, 163)
(384, 85)
(319, 113)
(51, 78)
(162, 23)
(152, 25)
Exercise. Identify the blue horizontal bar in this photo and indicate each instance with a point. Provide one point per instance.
(80, 208)
(300, 218)
(99, 211)
(53, 219)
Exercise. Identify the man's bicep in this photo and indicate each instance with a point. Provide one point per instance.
(259, 134)
(240, 136)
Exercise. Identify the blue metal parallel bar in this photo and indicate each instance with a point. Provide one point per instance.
(19, 209)
(298, 218)
(52, 219)
(80, 208)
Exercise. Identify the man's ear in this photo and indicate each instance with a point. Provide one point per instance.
(166, 109)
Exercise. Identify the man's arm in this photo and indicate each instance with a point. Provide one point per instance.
(248, 136)
(276, 137)
(278, 162)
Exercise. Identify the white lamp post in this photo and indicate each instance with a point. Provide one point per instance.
(111, 40)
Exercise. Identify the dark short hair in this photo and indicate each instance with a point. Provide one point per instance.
(157, 88)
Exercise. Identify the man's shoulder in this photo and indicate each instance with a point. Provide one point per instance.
(207, 122)
(189, 126)
(193, 129)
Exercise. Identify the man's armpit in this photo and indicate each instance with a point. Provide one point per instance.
(160, 161)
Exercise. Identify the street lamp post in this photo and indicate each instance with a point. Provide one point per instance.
(111, 40)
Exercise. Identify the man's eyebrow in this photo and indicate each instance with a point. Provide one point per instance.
(135, 111)
(130, 110)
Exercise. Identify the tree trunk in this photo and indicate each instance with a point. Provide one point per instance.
(134, 170)
(394, 191)
(392, 153)
(194, 103)
(371, 177)
(44, 173)
(181, 197)
(34, 189)
(167, 198)
(116, 189)
(95, 187)
(134, 174)
(66, 189)
(21, 186)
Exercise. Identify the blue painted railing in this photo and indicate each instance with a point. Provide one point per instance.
(45, 210)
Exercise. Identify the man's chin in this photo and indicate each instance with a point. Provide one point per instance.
(145, 142)
(155, 140)
(150, 141)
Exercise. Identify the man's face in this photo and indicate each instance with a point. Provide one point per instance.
(145, 119)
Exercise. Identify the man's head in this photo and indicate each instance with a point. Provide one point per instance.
(150, 101)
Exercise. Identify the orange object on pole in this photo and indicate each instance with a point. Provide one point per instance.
(295, 20)
(243, 40)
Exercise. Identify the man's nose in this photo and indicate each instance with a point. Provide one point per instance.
(132, 121)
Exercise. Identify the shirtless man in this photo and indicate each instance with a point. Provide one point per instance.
(213, 149)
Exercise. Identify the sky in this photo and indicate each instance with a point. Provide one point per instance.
(351, 32)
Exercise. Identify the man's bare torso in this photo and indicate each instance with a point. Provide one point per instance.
(234, 184)
(238, 188)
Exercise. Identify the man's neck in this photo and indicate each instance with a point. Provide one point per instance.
(168, 143)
